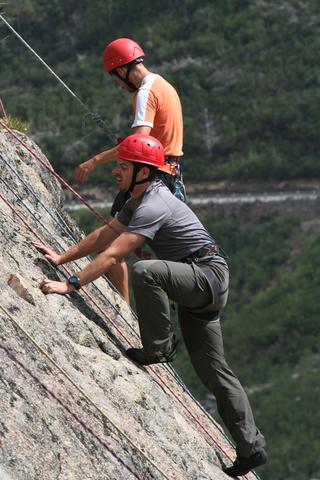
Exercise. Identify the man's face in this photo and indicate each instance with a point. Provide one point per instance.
(123, 173)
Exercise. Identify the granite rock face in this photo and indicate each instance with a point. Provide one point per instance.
(78, 409)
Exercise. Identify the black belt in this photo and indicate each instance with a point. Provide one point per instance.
(207, 251)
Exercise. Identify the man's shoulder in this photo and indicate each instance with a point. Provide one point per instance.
(156, 195)
(148, 81)
(155, 84)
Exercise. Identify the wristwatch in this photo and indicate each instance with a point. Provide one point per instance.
(74, 281)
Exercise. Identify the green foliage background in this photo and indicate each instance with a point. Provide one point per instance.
(247, 73)
(248, 76)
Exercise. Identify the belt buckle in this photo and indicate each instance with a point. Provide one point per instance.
(210, 250)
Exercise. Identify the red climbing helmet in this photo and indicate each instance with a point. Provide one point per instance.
(142, 149)
(120, 52)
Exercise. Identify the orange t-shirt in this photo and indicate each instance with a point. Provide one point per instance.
(157, 105)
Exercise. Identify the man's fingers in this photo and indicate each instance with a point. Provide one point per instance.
(77, 175)
(46, 251)
(37, 244)
(83, 170)
(41, 247)
(45, 285)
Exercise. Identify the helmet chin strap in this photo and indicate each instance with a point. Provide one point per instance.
(125, 79)
(134, 181)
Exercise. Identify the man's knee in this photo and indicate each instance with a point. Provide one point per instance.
(149, 272)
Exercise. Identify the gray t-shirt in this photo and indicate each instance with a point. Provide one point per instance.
(171, 228)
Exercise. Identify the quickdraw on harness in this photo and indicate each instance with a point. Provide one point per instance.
(174, 180)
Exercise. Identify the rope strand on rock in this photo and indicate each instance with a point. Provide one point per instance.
(80, 390)
(11, 355)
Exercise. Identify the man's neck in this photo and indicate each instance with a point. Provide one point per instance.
(138, 74)
(139, 190)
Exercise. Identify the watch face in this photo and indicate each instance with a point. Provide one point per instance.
(73, 280)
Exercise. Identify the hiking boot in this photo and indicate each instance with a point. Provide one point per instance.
(242, 465)
(138, 355)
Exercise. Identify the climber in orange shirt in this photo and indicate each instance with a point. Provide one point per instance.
(157, 112)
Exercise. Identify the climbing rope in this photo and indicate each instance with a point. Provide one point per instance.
(65, 229)
(55, 174)
(81, 391)
(95, 116)
(67, 408)
(3, 109)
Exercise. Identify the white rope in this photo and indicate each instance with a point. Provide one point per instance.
(94, 116)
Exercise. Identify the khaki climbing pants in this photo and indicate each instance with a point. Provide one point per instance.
(199, 302)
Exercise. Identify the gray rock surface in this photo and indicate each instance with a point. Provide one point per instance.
(115, 421)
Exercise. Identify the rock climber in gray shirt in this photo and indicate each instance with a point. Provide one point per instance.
(189, 270)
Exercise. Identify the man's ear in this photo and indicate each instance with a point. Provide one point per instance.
(145, 172)
(122, 71)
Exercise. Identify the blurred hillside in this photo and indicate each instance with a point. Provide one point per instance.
(247, 72)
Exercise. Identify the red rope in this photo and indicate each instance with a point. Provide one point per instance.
(91, 298)
(65, 269)
(74, 415)
(56, 175)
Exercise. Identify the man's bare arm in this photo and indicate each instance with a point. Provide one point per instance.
(124, 244)
(95, 242)
(108, 156)
(127, 242)
(83, 170)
